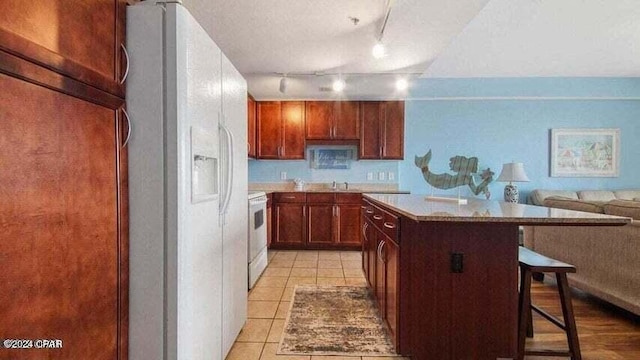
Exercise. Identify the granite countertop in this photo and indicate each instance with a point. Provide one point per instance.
(416, 207)
(326, 188)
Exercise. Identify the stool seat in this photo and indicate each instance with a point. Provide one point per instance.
(540, 263)
(530, 262)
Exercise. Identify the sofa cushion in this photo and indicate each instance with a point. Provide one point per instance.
(574, 204)
(627, 194)
(537, 196)
(596, 195)
(626, 208)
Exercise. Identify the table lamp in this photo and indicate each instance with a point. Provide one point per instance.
(512, 172)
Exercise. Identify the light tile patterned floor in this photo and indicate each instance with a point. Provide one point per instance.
(270, 299)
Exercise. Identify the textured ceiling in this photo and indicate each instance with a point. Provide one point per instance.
(432, 38)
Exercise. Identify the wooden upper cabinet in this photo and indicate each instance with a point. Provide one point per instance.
(82, 39)
(269, 132)
(393, 130)
(319, 122)
(332, 120)
(281, 128)
(251, 127)
(293, 120)
(382, 130)
(370, 134)
(346, 115)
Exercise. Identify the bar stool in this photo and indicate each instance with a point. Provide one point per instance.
(531, 262)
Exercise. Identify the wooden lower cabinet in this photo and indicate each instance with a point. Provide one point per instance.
(321, 224)
(64, 254)
(290, 225)
(382, 272)
(322, 220)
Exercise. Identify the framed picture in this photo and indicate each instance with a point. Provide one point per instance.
(585, 152)
(332, 159)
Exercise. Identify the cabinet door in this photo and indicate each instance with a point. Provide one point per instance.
(269, 136)
(64, 237)
(290, 224)
(78, 38)
(365, 248)
(251, 127)
(391, 256)
(346, 115)
(381, 281)
(393, 130)
(319, 120)
(293, 130)
(370, 118)
(348, 226)
(321, 224)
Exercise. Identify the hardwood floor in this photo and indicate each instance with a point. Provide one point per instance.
(605, 331)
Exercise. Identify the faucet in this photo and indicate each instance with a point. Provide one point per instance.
(334, 186)
(346, 185)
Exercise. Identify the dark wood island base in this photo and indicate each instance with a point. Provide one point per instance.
(445, 275)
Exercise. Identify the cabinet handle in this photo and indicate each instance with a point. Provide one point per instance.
(126, 140)
(377, 217)
(126, 69)
(380, 247)
(289, 197)
(382, 258)
(369, 211)
(389, 225)
(338, 210)
(380, 152)
(364, 230)
(248, 147)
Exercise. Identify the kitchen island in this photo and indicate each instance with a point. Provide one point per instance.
(444, 275)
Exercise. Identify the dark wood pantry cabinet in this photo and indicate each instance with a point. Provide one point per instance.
(63, 170)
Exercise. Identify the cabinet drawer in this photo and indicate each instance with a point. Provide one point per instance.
(320, 198)
(290, 197)
(378, 217)
(367, 211)
(349, 198)
(391, 225)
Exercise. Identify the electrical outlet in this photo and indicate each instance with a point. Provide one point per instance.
(283, 175)
(381, 175)
(369, 176)
(391, 176)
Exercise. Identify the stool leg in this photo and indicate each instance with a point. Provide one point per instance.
(524, 309)
(530, 324)
(567, 313)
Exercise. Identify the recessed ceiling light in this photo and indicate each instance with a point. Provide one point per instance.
(402, 84)
(338, 85)
(378, 50)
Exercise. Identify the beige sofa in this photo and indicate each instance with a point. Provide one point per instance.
(607, 258)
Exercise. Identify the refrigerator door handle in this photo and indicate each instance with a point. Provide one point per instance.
(229, 170)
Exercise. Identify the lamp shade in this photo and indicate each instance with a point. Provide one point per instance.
(513, 172)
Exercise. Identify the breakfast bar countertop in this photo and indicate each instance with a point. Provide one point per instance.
(417, 207)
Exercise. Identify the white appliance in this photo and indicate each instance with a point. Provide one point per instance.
(187, 106)
(258, 259)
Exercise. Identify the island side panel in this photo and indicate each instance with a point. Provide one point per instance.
(467, 315)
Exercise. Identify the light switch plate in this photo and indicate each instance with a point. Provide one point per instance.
(391, 176)
(283, 175)
(369, 176)
(381, 175)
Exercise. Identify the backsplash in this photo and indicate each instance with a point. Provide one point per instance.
(268, 171)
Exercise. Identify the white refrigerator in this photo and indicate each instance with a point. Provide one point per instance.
(187, 106)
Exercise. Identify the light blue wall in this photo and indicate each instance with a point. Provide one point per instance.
(504, 120)
(269, 170)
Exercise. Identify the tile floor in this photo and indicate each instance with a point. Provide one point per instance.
(270, 299)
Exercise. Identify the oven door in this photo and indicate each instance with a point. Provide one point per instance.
(257, 227)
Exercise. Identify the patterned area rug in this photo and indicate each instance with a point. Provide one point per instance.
(334, 320)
